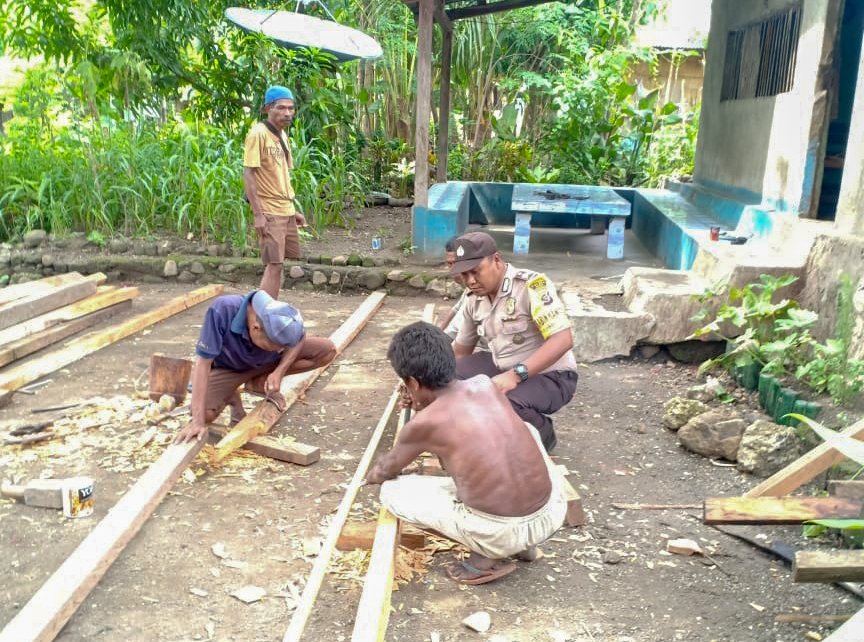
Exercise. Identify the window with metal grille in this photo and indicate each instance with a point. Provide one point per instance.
(760, 57)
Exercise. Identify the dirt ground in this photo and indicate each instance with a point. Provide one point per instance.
(609, 581)
(390, 225)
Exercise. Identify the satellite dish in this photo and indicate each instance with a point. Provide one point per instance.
(296, 30)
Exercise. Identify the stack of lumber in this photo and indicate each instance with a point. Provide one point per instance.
(40, 313)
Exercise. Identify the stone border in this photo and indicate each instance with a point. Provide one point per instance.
(157, 262)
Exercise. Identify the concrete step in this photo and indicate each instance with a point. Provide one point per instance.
(667, 296)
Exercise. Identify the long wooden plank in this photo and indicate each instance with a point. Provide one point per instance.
(21, 290)
(266, 414)
(373, 612)
(36, 304)
(41, 619)
(850, 631)
(828, 566)
(32, 370)
(778, 510)
(105, 295)
(30, 344)
(316, 576)
(805, 468)
(290, 451)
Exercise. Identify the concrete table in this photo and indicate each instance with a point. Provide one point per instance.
(599, 202)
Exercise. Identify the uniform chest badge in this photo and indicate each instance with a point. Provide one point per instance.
(518, 339)
(510, 306)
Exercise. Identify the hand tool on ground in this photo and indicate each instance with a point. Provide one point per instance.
(47, 493)
(25, 433)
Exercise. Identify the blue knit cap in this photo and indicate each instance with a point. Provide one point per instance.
(276, 92)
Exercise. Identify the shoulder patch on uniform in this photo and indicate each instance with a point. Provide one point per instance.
(538, 282)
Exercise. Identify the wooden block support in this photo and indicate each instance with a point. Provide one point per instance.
(41, 619)
(828, 566)
(283, 450)
(31, 288)
(22, 309)
(778, 510)
(575, 511)
(805, 468)
(361, 535)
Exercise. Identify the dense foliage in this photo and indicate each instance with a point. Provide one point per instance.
(134, 121)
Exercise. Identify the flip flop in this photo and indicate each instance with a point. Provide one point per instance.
(480, 576)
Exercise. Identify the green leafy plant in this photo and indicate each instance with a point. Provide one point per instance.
(406, 246)
(769, 330)
(96, 238)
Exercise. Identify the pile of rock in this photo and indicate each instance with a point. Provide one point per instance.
(758, 445)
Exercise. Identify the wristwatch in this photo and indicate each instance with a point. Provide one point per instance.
(522, 370)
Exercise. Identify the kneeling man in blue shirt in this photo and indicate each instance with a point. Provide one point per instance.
(252, 340)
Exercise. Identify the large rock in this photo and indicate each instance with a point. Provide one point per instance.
(767, 447)
(170, 269)
(679, 411)
(373, 280)
(436, 287)
(319, 278)
(715, 433)
(35, 238)
(666, 295)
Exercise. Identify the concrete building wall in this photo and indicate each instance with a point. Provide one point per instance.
(850, 207)
(766, 149)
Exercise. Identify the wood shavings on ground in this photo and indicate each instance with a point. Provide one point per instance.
(131, 432)
(352, 566)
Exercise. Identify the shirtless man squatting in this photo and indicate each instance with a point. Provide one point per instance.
(502, 497)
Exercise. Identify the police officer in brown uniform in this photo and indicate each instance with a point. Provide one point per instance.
(530, 340)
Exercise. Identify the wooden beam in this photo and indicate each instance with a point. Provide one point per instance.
(265, 414)
(805, 468)
(444, 103)
(291, 451)
(442, 19)
(851, 489)
(361, 535)
(28, 345)
(495, 7)
(828, 566)
(373, 612)
(28, 307)
(316, 576)
(575, 512)
(850, 631)
(423, 108)
(41, 619)
(77, 349)
(778, 510)
(21, 290)
(105, 295)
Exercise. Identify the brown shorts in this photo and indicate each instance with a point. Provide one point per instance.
(281, 240)
(223, 382)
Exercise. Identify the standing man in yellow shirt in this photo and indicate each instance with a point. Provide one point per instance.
(267, 164)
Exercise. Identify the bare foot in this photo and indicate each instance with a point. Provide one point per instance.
(479, 570)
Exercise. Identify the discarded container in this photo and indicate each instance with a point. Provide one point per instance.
(715, 233)
(78, 497)
(376, 243)
(169, 376)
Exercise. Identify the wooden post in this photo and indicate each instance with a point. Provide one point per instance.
(41, 619)
(313, 583)
(444, 106)
(423, 108)
(88, 344)
(266, 414)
